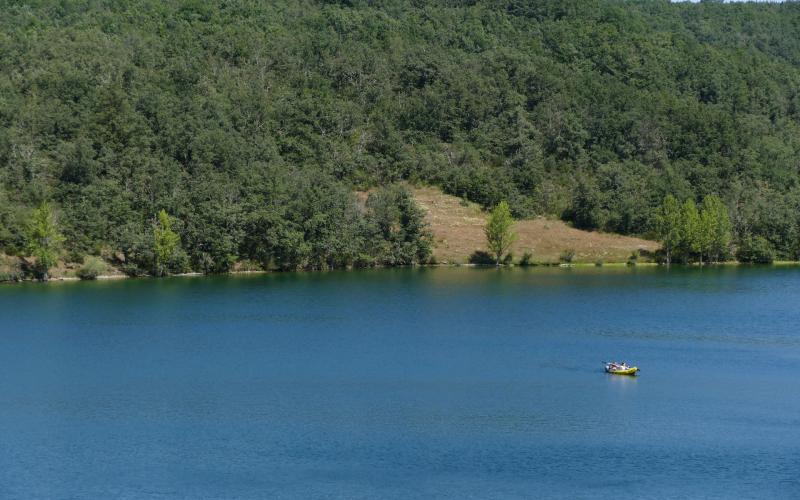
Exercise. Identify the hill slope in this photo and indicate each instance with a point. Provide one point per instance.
(251, 123)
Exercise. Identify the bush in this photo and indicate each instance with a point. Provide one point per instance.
(246, 266)
(75, 256)
(10, 269)
(508, 259)
(132, 270)
(755, 250)
(567, 256)
(10, 276)
(481, 258)
(92, 268)
(179, 262)
(363, 261)
(634, 258)
(526, 260)
(598, 263)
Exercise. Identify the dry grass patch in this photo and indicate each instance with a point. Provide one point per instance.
(458, 231)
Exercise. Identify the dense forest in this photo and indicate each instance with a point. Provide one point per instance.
(252, 124)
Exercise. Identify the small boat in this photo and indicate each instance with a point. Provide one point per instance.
(621, 369)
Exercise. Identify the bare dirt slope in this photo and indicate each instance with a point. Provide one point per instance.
(458, 231)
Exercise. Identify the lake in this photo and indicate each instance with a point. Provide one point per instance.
(404, 383)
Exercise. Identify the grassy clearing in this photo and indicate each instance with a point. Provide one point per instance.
(458, 232)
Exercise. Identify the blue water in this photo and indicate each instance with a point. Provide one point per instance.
(415, 383)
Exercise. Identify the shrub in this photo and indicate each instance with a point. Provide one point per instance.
(481, 258)
(92, 268)
(10, 276)
(567, 256)
(10, 269)
(133, 270)
(246, 266)
(363, 261)
(598, 263)
(179, 262)
(634, 258)
(508, 259)
(755, 250)
(526, 260)
(75, 256)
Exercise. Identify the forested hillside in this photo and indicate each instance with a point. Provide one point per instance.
(252, 123)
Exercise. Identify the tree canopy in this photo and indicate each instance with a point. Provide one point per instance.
(253, 123)
(689, 233)
(44, 240)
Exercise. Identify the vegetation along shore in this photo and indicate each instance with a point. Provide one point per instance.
(158, 138)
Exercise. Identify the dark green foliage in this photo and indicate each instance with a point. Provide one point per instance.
(252, 123)
(482, 258)
(527, 259)
(397, 226)
(11, 229)
(567, 256)
(321, 225)
(756, 250)
(587, 206)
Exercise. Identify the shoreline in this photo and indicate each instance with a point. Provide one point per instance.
(575, 265)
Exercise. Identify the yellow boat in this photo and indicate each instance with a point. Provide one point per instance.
(621, 370)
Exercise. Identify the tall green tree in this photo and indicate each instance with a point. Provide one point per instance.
(587, 206)
(704, 233)
(165, 243)
(43, 240)
(716, 228)
(690, 228)
(499, 231)
(668, 226)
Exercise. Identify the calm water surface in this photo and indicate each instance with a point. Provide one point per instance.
(434, 383)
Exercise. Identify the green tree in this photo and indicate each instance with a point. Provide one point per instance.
(165, 243)
(399, 226)
(668, 226)
(755, 250)
(43, 239)
(704, 233)
(499, 231)
(690, 241)
(587, 206)
(716, 228)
